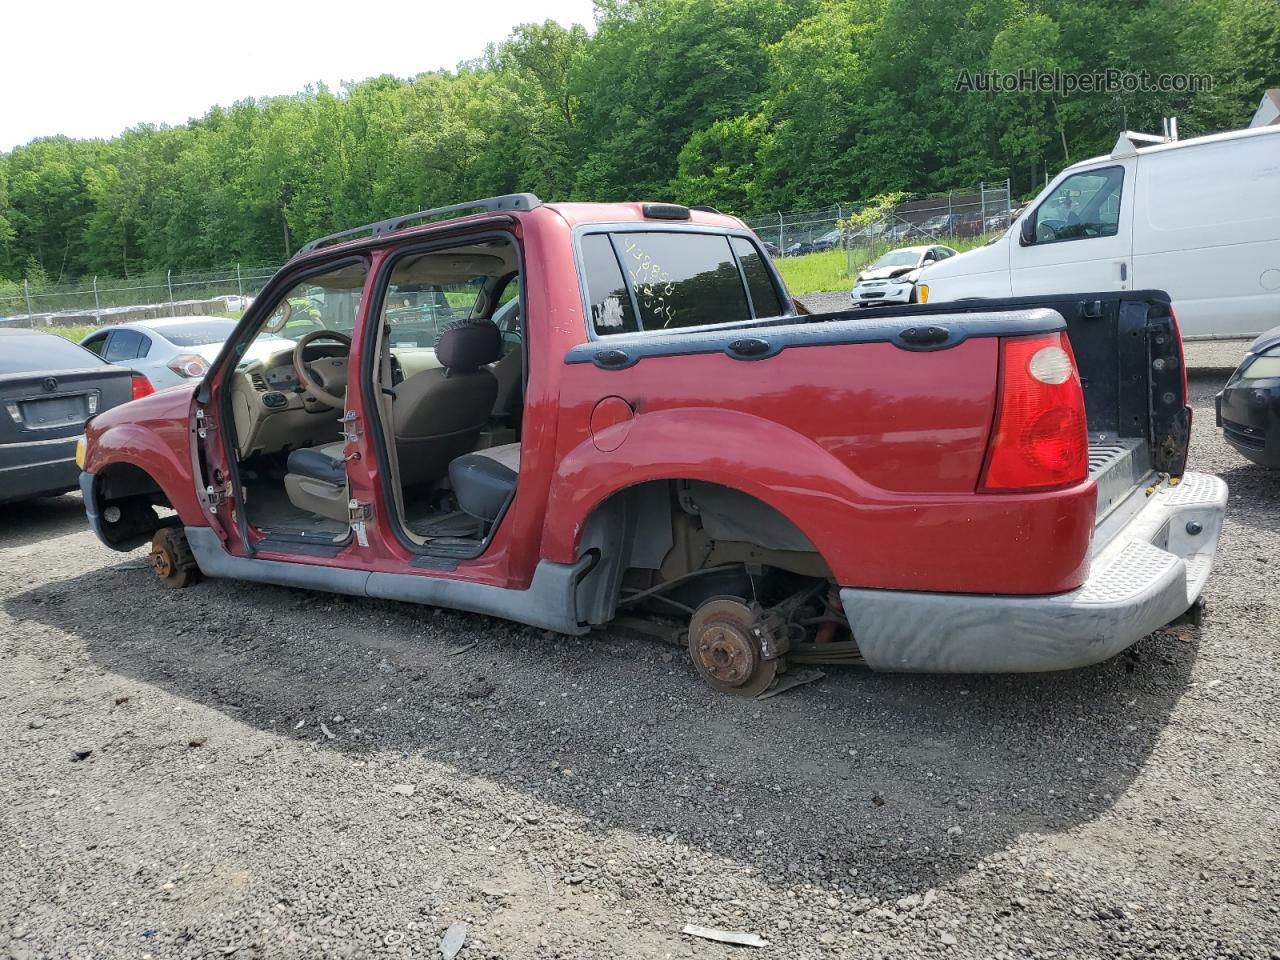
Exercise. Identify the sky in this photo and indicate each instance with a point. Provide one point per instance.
(92, 69)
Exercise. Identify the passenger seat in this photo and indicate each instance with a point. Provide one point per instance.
(484, 481)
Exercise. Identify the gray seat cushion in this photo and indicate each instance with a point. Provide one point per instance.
(484, 481)
(320, 463)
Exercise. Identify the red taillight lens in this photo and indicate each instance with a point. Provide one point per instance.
(141, 386)
(189, 365)
(1041, 438)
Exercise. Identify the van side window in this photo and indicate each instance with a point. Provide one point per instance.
(1083, 206)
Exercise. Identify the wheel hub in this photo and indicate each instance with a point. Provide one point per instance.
(161, 562)
(727, 653)
(734, 647)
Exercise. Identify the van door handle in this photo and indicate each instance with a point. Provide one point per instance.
(1124, 271)
(612, 359)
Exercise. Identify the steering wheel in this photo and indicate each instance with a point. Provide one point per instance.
(1047, 230)
(324, 379)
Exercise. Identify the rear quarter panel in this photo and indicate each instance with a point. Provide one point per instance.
(872, 451)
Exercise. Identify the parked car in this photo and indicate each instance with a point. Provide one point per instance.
(168, 351)
(828, 241)
(799, 248)
(49, 388)
(926, 489)
(1198, 218)
(1249, 405)
(770, 248)
(892, 278)
(938, 225)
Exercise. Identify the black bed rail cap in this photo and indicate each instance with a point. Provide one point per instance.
(510, 201)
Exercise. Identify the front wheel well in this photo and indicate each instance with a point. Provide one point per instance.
(127, 497)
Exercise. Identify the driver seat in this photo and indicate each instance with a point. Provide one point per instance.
(437, 415)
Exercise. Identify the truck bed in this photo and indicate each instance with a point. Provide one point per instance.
(1130, 359)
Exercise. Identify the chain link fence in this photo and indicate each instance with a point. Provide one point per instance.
(146, 296)
(937, 218)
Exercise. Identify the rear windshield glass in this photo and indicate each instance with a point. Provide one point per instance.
(38, 352)
(197, 334)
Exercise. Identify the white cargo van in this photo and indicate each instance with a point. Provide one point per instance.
(1197, 218)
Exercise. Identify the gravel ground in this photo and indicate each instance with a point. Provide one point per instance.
(251, 771)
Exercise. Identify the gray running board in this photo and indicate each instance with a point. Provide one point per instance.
(550, 602)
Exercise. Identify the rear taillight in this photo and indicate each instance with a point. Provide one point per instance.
(141, 387)
(189, 365)
(1040, 440)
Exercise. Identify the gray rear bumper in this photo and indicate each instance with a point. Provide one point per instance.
(1148, 574)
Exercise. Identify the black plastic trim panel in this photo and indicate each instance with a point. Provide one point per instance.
(814, 331)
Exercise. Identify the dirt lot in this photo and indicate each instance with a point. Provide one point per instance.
(247, 771)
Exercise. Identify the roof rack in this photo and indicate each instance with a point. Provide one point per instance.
(510, 201)
(1130, 143)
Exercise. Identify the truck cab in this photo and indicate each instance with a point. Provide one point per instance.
(563, 414)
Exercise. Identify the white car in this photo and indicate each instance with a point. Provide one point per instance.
(892, 278)
(168, 352)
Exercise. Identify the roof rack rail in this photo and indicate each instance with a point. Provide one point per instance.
(510, 201)
(1130, 143)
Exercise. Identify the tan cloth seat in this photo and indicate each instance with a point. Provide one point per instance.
(437, 415)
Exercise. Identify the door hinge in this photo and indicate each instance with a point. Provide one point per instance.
(351, 429)
(360, 513)
(204, 424)
(215, 497)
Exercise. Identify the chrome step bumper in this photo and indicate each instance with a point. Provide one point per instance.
(1148, 574)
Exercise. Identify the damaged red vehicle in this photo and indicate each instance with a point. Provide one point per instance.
(564, 414)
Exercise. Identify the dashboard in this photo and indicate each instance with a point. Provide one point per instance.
(281, 377)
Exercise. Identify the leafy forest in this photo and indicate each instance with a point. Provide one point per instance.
(749, 105)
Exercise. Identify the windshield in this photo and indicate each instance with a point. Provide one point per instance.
(197, 333)
(38, 352)
(897, 258)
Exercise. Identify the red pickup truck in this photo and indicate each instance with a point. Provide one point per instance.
(563, 414)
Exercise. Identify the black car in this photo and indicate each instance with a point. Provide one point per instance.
(49, 387)
(1249, 405)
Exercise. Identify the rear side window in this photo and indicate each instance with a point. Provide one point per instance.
(40, 352)
(123, 345)
(764, 295)
(682, 279)
(610, 302)
(667, 280)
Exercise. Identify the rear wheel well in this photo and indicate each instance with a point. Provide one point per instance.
(127, 498)
(702, 538)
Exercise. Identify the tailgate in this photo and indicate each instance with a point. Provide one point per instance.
(49, 406)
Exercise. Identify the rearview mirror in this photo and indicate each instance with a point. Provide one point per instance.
(1028, 231)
